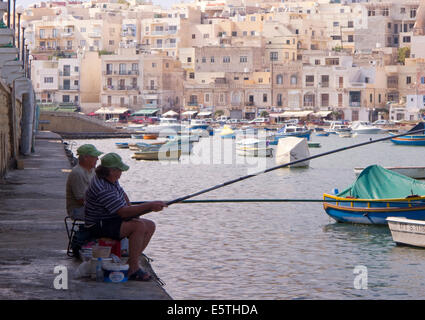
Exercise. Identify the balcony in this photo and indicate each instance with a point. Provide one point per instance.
(71, 88)
(95, 35)
(354, 104)
(67, 34)
(128, 88)
(127, 73)
(309, 84)
(192, 103)
(151, 88)
(64, 74)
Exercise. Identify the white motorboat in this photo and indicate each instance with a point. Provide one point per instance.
(254, 152)
(364, 127)
(407, 231)
(166, 126)
(412, 172)
(337, 127)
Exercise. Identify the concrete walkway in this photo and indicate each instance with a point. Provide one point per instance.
(33, 238)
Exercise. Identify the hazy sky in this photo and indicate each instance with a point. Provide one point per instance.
(163, 3)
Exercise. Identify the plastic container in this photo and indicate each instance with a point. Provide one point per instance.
(93, 264)
(99, 271)
(113, 244)
(115, 273)
(101, 251)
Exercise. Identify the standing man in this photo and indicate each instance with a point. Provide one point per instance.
(79, 180)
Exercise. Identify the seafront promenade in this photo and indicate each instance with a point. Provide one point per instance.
(33, 237)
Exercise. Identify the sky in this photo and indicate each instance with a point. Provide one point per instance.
(163, 3)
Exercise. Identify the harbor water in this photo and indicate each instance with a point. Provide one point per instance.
(285, 250)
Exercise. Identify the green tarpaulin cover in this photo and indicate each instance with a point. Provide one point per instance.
(376, 182)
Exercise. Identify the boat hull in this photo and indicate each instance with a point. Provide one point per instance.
(255, 152)
(412, 140)
(368, 211)
(407, 231)
(157, 155)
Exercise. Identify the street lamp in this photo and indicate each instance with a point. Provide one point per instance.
(19, 10)
(24, 26)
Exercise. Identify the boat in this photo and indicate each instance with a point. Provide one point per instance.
(412, 172)
(313, 144)
(364, 127)
(254, 152)
(293, 130)
(227, 133)
(252, 147)
(158, 155)
(377, 194)
(150, 136)
(407, 231)
(411, 140)
(320, 132)
(291, 149)
(166, 126)
(137, 135)
(345, 134)
(122, 145)
(336, 127)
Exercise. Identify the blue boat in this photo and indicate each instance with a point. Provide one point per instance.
(377, 193)
(320, 132)
(290, 130)
(122, 145)
(411, 140)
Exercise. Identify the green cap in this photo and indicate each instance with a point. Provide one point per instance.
(88, 150)
(113, 160)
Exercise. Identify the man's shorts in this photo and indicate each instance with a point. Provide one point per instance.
(107, 228)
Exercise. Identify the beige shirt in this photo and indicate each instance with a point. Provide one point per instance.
(76, 185)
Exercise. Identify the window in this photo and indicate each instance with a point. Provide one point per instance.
(325, 81)
(264, 97)
(191, 75)
(402, 10)
(252, 18)
(370, 98)
(189, 59)
(252, 33)
(65, 98)
(48, 79)
(193, 36)
(153, 65)
(422, 80)
(234, 34)
(82, 29)
(293, 79)
(350, 38)
(385, 12)
(82, 43)
(406, 39)
(75, 82)
(243, 59)
(226, 59)
(260, 80)
(309, 81)
(207, 97)
(212, 59)
(413, 13)
(111, 42)
(42, 33)
(350, 24)
(134, 66)
(76, 69)
(336, 24)
(408, 80)
(274, 56)
(279, 79)
(317, 62)
(206, 35)
(204, 59)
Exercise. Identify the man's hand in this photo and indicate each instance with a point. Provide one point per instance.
(157, 205)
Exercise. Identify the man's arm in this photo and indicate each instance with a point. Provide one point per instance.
(133, 211)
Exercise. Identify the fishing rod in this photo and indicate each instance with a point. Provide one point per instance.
(177, 200)
(287, 200)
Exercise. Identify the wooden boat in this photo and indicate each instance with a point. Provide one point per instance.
(376, 195)
(122, 145)
(411, 140)
(407, 231)
(253, 148)
(337, 127)
(412, 172)
(292, 130)
(171, 154)
(290, 149)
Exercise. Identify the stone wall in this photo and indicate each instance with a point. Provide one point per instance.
(10, 128)
(71, 122)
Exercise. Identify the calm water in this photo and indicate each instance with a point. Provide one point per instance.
(270, 250)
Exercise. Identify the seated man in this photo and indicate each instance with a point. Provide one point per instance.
(79, 180)
(108, 213)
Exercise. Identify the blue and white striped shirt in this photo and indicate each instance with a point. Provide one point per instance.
(103, 200)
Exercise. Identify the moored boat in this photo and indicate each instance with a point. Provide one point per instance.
(122, 145)
(254, 152)
(375, 195)
(364, 127)
(411, 140)
(320, 132)
(412, 172)
(407, 231)
(227, 133)
(337, 127)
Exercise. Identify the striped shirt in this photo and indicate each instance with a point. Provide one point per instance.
(103, 200)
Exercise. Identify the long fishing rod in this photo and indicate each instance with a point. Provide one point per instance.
(415, 201)
(288, 164)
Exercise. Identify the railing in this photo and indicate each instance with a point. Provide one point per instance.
(151, 88)
(309, 84)
(69, 87)
(192, 103)
(125, 73)
(354, 104)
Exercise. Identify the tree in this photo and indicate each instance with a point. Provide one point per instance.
(403, 53)
(218, 113)
(264, 114)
